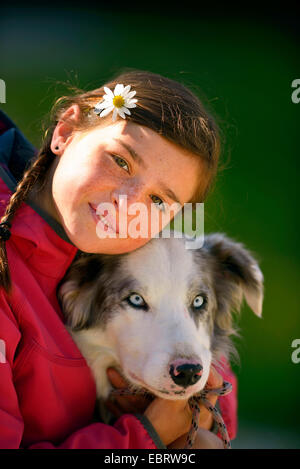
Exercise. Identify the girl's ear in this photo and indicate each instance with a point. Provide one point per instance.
(236, 270)
(64, 130)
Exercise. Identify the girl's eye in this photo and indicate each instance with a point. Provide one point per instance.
(160, 203)
(199, 302)
(137, 301)
(121, 162)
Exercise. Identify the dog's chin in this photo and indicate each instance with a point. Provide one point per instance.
(176, 394)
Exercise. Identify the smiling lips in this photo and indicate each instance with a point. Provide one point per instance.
(108, 224)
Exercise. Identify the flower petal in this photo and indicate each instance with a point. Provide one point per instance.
(128, 102)
(118, 89)
(130, 105)
(107, 97)
(126, 89)
(108, 92)
(106, 111)
(131, 94)
(115, 113)
(104, 105)
(121, 113)
(126, 110)
(98, 104)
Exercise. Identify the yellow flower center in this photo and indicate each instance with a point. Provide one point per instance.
(118, 101)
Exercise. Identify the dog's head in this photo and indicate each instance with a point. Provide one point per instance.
(164, 311)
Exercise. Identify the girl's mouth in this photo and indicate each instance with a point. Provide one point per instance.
(103, 220)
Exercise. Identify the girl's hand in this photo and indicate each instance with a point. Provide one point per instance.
(124, 404)
(158, 411)
(203, 440)
(171, 419)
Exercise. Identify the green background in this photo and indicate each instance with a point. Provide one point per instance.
(243, 68)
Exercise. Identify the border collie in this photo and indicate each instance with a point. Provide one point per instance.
(161, 314)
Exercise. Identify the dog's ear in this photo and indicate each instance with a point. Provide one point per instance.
(76, 293)
(237, 272)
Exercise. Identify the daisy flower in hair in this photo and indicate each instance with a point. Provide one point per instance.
(118, 101)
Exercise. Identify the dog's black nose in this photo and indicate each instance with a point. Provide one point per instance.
(186, 374)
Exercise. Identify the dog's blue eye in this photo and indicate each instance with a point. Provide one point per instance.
(136, 300)
(199, 302)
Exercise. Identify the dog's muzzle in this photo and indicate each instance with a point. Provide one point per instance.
(185, 374)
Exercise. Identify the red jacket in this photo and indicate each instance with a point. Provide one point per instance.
(47, 392)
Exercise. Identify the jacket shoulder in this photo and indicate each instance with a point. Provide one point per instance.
(16, 151)
(5, 122)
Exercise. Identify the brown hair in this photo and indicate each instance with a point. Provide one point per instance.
(164, 105)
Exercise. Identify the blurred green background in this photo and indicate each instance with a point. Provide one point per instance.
(243, 68)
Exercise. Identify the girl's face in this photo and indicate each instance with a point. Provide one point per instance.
(121, 159)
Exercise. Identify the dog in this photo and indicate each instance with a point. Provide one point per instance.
(162, 314)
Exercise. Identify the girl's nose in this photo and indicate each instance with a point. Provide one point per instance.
(121, 203)
(124, 201)
(127, 196)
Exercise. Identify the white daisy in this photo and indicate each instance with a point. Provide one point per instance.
(118, 101)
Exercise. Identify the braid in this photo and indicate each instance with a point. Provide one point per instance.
(36, 172)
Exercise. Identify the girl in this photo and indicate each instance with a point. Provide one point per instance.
(150, 140)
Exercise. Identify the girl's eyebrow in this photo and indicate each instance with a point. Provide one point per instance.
(133, 153)
(142, 163)
(169, 193)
